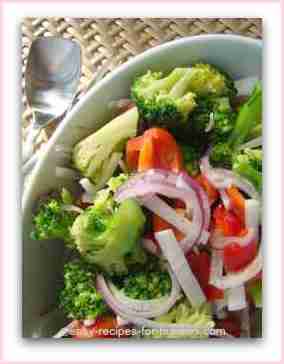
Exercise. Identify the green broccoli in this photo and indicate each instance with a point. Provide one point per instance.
(97, 156)
(79, 298)
(104, 198)
(191, 157)
(52, 221)
(248, 164)
(146, 283)
(169, 101)
(183, 313)
(246, 126)
(111, 240)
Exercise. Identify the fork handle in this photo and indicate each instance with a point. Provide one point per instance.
(28, 146)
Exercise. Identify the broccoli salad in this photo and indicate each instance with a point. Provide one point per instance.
(163, 232)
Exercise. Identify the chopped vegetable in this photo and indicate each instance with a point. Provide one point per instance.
(156, 148)
(104, 238)
(92, 155)
(52, 221)
(247, 126)
(79, 298)
(146, 284)
(169, 101)
(183, 313)
(248, 164)
(177, 260)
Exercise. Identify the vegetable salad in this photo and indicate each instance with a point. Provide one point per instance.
(164, 229)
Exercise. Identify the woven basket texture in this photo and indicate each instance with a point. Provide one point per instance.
(115, 40)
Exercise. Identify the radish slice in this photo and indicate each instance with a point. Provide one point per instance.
(237, 298)
(175, 256)
(245, 86)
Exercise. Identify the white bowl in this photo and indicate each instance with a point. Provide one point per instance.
(42, 260)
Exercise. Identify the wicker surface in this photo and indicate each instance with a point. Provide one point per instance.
(117, 39)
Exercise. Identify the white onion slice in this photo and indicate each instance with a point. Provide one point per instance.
(175, 256)
(163, 210)
(245, 85)
(237, 298)
(88, 323)
(219, 241)
(64, 331)
(219, 308)
(252, 213)
(225, 198)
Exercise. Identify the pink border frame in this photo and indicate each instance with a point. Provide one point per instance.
(2, 86)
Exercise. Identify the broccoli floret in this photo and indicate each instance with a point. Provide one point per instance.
(79, 298)
(163, 100)
(191, 157)
(221, 155)
(97, 156)
(150, 282)
(209, 80)
(52, 221)
(111, 240)
(104, 198)
(248, 164)
(169, 101)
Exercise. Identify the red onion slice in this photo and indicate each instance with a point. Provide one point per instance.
(175, 256)
(124, 306)
(174, 186)
(224, 178)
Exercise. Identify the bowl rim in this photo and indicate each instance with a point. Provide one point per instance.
(113, 74)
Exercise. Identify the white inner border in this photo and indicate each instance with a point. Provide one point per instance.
(17, 349)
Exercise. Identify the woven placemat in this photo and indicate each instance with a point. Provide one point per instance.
(116, 40)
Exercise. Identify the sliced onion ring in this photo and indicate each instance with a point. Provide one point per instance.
(127, 307)
(178, 186)
(223, 178)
